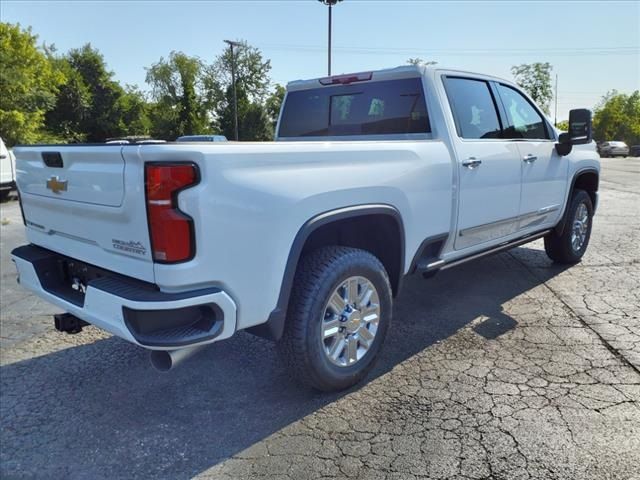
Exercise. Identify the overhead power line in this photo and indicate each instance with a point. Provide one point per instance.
(583, 51)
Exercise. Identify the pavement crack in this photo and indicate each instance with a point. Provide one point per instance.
(579, 317)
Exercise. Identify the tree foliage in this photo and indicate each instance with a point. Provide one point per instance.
(535, 79)
(255, 120)
(180, 95)
(251, 71)
(617, 117)
(273, 105)
(563, 126)
(74, 97)
(28, 84)
(91, 105)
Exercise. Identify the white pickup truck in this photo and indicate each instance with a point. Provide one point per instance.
(305, 240)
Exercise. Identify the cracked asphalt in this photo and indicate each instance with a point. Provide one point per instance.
(507, 368)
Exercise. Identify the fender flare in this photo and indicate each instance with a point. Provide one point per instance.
(559, 228)
(273, 328)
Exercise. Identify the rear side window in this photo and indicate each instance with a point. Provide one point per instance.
(523, 119)
(473, 108)
(372, 108)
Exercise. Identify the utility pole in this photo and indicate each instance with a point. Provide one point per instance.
(233, 81)
(330, 3)
(555, 121)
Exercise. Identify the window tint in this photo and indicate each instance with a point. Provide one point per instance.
(524, 121)
(372, 108)
(473, 108)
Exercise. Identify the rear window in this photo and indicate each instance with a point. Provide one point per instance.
(372, 108)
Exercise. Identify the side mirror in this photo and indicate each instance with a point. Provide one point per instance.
(579, 131)
(580, 126)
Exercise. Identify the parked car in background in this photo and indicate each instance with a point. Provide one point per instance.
(7, 170)
(613, 149)
(202, 138)
(634, 151)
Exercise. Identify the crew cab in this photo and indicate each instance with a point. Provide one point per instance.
(305, 240)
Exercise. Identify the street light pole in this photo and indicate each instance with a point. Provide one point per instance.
(233, 81)
(330, 3)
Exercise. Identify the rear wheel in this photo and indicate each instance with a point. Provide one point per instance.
(572, 244)
(338, 317)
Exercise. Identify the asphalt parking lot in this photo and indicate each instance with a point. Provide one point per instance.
(506, 368)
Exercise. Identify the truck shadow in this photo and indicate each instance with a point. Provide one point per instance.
(99, 411)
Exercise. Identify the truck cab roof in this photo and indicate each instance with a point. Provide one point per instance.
(403, 71)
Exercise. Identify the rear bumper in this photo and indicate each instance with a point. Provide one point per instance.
(128, 308)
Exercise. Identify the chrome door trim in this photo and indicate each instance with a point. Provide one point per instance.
(534, 216)
(487, 226)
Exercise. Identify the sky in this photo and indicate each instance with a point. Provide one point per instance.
(594, 47)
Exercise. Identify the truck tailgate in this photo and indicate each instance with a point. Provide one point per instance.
(87, 203)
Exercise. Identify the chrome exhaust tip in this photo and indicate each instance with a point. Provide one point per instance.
(165, 360)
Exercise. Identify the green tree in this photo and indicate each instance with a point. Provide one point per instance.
(28, 84)
(91, 105)
(617, 117)
(251, 71)
(255, 119)
(535, 79)
(180, 94)
(134, 112)
(103, 120)
(273, 105)
(72, 107)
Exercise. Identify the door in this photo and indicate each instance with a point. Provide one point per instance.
(489, 167)
(544, 172)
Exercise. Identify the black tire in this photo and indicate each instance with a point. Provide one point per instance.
(319, 274)
(4, 194)
(560, 248)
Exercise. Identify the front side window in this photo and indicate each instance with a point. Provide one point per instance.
(371, 108)
(473, 108)
(523, 119)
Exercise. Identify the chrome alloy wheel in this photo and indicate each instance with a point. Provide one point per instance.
(350, 321)
(580, 227)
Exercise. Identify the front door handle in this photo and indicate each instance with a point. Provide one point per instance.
(471, 162)
(529, 158)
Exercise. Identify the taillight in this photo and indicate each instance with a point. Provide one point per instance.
(172, 233)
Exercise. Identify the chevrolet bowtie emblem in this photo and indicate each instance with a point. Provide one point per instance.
(56, 185)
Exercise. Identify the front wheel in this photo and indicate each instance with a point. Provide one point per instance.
(338, 317)
(572, 244)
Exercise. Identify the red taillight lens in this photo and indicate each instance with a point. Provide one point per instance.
(172, 233)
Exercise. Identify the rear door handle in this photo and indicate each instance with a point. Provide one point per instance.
(471, 162)
(529, 158)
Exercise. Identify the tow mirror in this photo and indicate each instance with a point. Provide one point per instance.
(579, 131)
